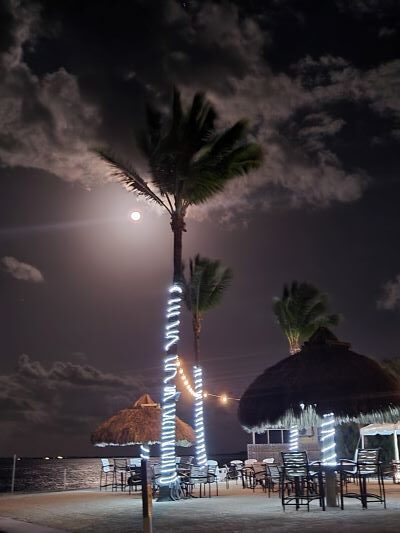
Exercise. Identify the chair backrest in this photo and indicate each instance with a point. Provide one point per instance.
(177, 460)
(295, 464)
(211, 462)
(120, 464)
(368, 460)
(237, 463)
(249, 462)
(135, 461)
(268, 460)
(106, 466)
(187, 460)
(198, 473)
(273, 471)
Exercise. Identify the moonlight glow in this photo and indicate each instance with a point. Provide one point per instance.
(135, 216)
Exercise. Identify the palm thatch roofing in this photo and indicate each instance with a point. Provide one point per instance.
(324, 377)
(139, 423)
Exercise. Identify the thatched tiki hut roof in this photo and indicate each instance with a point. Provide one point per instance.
(137, 424)
(325, 376)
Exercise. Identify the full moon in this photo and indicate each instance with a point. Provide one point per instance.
(135, 216)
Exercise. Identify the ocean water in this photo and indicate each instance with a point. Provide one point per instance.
(40, 475)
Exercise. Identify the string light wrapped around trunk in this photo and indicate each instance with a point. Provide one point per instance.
(168, 462)
(201, 455)
(328, 450)
(294, 439)
(145, 451)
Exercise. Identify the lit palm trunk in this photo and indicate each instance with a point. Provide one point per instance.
(328, 439)
(168, 429)
(201, 453)
(294, 439)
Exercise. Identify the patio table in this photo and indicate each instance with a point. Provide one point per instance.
(330, 471)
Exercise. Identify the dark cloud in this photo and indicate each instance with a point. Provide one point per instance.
(52, 398)
(210, 46)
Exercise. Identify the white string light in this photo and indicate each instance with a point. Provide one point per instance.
(168, 461)
(185, 380)
(145, 451)
(294, 439)
(328, 450)
(201, 455)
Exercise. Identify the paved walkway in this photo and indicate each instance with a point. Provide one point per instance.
(235, 510)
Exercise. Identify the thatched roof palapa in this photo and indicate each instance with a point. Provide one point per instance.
(137, 424)
(325, 376)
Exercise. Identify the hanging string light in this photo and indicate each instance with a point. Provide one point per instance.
(185, 380)
(328, 439)
(168, 462)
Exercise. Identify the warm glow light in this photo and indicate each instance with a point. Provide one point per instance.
(135, 216)
(224, 398)
(205, 395)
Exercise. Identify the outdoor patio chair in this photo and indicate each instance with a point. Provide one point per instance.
(299, 484)
(107, 471)
(268, 460)
(367, 465)
(134, 479)
(250, 462)
(212, 477)
(198, 475)
(121, 470)
(134, 461)
(273, 478)
(231, 473)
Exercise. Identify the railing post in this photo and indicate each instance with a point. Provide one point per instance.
(13, 472)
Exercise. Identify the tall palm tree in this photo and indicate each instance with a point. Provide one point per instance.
(301, 311)
(189, 162)
(203, 291)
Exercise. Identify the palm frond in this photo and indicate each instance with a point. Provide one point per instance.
(124, 172)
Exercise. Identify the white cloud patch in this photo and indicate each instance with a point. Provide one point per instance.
(390, 298)
(21, 271)
(45, 122)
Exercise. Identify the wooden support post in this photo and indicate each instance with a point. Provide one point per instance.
(147, 496)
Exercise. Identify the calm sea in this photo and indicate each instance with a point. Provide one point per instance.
(40, 475)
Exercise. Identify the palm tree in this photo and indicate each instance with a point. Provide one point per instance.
(203, 291)
(190, 161)
(301, 311)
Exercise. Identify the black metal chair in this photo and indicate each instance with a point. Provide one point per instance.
(299, 485)
(134, 480)
(120, 473)
(367, 465)
(198, 475)
(273, 478)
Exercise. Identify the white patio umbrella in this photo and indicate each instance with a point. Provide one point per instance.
(383, 429)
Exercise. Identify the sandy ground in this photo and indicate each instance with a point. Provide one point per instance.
(234, 510)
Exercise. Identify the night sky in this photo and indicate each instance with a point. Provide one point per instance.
(83, 289)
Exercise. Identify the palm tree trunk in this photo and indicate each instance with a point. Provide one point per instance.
(196, 339)
(168, 477)
(178, 227)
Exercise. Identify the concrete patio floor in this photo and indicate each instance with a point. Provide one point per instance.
(234, 510)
